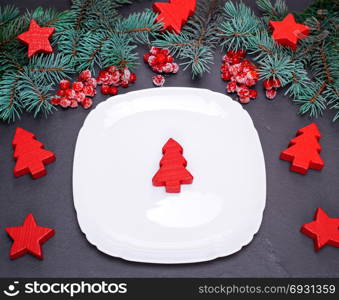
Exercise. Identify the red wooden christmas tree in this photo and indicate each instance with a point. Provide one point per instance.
(304, 150)
(29, 154)
(175, 13)
(172, 172)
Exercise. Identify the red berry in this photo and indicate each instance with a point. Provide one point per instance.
(225, 58)
(244, 92)
(235, 69)
(125, 75)
(115, 79)
(77, 86)
(64, 102)
(160, 58)
(85, 75)
(244, 100)
(89, 90)
(74, 104)
(230, 53)
(111, 69)
(241, 53)
(175, 68)
(107, 79)
(246, 63)
(158, 80)
(157, 69)
(146, 57)
(80, 96)
(55, 101)
(152, 60)
(170, 58)
(154, 50)
(113, 90)
(240, 86)
(61, 93)
(241, 77)
(70, 94)
(224, 68)
(87, 103)
(133, 78)
(105, 89)
(253, 94)
(164, 51)
(124, 83)
(64, 84)
(168, 68)
(276, 83)
(235, 60)
(267, 84)
(250, 82)
(226, 76)
(99, 81)
(92, 82)
(231, 87)
(102, 74)
(270, 94)
(252, 74)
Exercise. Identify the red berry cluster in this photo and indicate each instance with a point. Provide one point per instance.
(80, 92)
(241, 74)
(112, 77)
(270, 86)
(160, 61)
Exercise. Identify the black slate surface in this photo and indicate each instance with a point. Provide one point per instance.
(277, 250)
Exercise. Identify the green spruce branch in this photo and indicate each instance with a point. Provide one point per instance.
(93, 34)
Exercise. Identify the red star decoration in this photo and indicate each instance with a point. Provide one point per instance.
(287, 32)
(324, 230)
(28, 238)
(37, 38)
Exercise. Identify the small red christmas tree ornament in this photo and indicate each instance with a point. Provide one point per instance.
(324, 230)
(287, 32)
(30, 155)
(37, 38)
(304, 150)
(28, 238)
(175, 13)
(172, 172)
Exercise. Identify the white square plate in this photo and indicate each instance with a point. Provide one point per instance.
(118, 151)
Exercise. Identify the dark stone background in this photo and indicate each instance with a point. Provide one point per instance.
(279, 249)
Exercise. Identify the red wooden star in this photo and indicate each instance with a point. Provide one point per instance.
(28, 238)
(37, 38)
(324, 230)
(287, 32)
